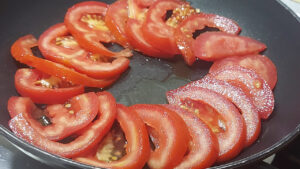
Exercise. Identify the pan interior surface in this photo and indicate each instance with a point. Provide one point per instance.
(148, 79)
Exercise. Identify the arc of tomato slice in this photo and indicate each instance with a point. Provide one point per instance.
(86, 23)
(56, 44)
(184, 32)
(65, 119)
(203, 147)
(261, 64)
(43, 88)
(212, 46)
(252, 84)
(218, 113)
(21, 126)
(171, 135)
(21, 51)
(138, 147)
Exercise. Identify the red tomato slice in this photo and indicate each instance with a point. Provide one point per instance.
(85, 21)
(218, 113)
(44, 89)
(212, 46)
(56, 44)
(252, 84)
(203, 147)
(21, 51)
(116, 18)
(65, 119)
(21, 126)
(184, 32)
(156, 31)
(237, 97)
(261, 64)
(171, 133)
(138, 147)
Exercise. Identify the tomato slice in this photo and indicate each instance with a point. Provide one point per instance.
(86, 23)
(116, 18)
(203, 147)
(56, 44)
(171, 133)
(138, 147)
(218, 113)
(184, 32)
(21, 126)
(145, 3)
(212, 46)
(21, 51)
(252, 84)
(238, 97)
(65, 119)
(156, 31)
(261, 64)
(44, 89)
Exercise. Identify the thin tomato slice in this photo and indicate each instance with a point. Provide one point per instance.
(21, 51)
(252, 84)
(218, 113)
(116, 19)
(138, 147)
(58, 45)
(44, 89)
(21, 126)
(212, 46)
(170, 131)
(241, 100)
(203, 147)
(184, 32)
(156, 31)
(261, 64)
(65, 119)
(86, 23)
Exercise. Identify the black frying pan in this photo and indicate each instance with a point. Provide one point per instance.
(148, 79)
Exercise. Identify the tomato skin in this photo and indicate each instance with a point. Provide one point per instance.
(138, 147)
(184, 32)
(116, 18)
(203, 146)
(21, 126)
(171, 131)
(212, 46)
(232, 140)
(84, 108)
(156, 31)
(21, 51)
(25, 80)
(238, 97)
(90, 38)
(252, 84)
(261, 64)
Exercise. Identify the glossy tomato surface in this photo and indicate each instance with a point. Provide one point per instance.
(148, 79)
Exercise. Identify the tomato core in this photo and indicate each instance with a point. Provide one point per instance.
(95, 21)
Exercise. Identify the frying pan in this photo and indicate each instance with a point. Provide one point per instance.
(148, 79)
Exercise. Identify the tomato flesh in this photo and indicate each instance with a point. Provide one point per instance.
(44, 89)
(212, 46)
(218, 113)
(86, 23)
(261, 64)
(65, 119)
(21, 51)
(171, 133)
(241, 100)
(116, 18)
(203, 147)
(252, 84)
(184, 32)
(138, 147)
(21, 126)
